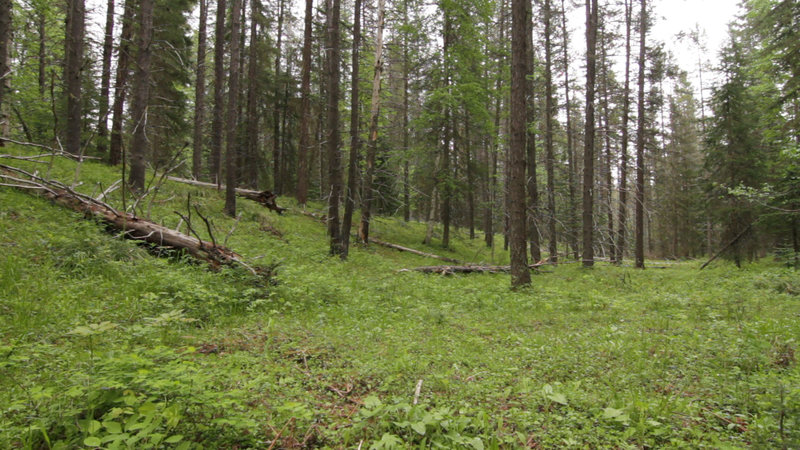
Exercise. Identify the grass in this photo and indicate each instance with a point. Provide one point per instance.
(103, 345)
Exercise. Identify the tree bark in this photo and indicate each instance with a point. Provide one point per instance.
(588, 149)
(520, 275)
(532, 226)
(5, 45)
(233, 98)
(252, 117)
(218, 115)
(355, 138)
(406, 181)
(609, 182)
(333, 134)
(550, 111)
(304, 150)
(121, 83)
(372, 145)
(105, 79)
(200, 93)
(572, 220)
(277, 157)
(141, 95)
(622, 216)
(76, 16)
(640, 142)
(444, 179)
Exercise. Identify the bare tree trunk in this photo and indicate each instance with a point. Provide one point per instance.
(520, 273)
(41, 24)
(488, 214)
(141, 95)
(571, 157)
(304, 150)
(200, 93)
(121, 84)
(445, 190)
(252, 116)
(5, 70)
(640, 141)
(76, 16)
(406, 181)
(588, 149)
(333, 133)
(532, 226)
(105, 79)
(550, 111)
(277, 158)
(372, 145)
(355, 141)
(622, 216)
(219, 94)
(609, 182)
(470, 180)
(233, 97)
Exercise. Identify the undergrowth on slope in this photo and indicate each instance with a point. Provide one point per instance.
(103, 345)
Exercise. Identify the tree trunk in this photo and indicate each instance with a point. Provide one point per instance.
(355, 138)
(550, 111)
(609, 181)
(304, 150)
(445, 189)
(76, 16)
(532, 226)
(200, 93)
(105, 79)
(520, 274)
(277, 158)
(622, 216)
(406, 181)
(252, 117)
(640, 142)
(588, 149)
(121, 83)
(333, 134)
(368, 195)
(233, 97)
(571, 157)
(218, 114)
(141, 95)
(5, 45)
(41, 24)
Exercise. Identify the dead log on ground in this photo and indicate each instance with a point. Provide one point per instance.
(265, 198)
(471, 268)
(411, 250)
(133, 227)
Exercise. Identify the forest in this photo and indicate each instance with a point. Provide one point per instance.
(398, 224)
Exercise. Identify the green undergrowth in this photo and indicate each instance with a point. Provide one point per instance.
(103, 345)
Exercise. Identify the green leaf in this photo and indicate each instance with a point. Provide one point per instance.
(476, 443)
(113, 427)
(174, 439)
(558, 398)
(419, 427)
(92, 441)
(611, 413)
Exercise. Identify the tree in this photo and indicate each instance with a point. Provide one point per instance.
(550, 111)
(355, 138)
(372, 145)
(277, 138)
(200, 93)
(572, 220)
(141, 95)
(105, 80)
(121, 83)
(520, 273)
(304, 145)
(623, 166)
(250, 157)
(233, 111)
(588, 148)
(530, 140)
(5, 45)
(73, 73)
(640, 141)
(219, 94)
(333, 134)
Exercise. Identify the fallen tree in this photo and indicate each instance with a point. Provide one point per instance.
(411, 250)
(133, 227)
(470, 268)
(265, 198)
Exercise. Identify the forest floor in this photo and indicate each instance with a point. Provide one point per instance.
(104, 345)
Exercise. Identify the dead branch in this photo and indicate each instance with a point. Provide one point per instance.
(471, 268)
(411, 250)
(265, 198)
(53, 151)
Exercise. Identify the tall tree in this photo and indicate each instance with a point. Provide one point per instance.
(640, 141)
(233, 110)
(304, 150)
(532, 185)
(589, 129)
(5, 45)
(355, 138)
(520, 273)
(368, 194)
(251, 157)
(215, 165)
(277, 147)
(572, 221)
(550, 111)
(333, 137)
(121, 83)
(200, 93)
(76, 18)
(105, 79)
(141, 95)
(622, 216)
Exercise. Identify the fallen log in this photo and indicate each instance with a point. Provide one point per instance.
(265, 198)
(133, 227)
(470, 268)
(411, 250)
